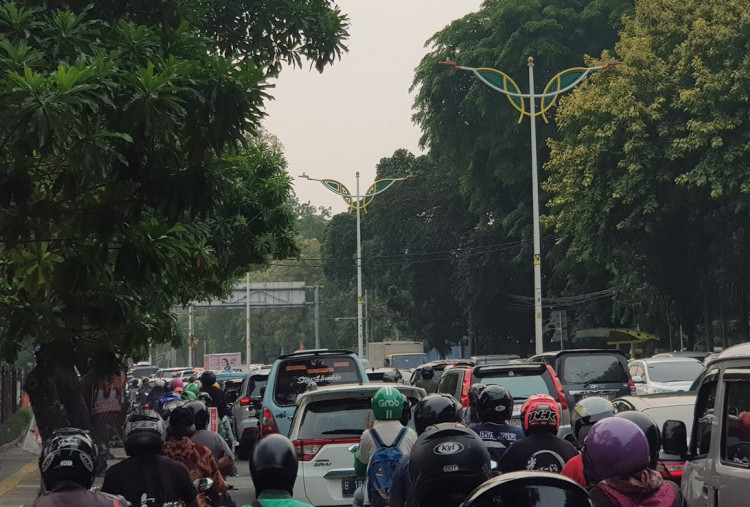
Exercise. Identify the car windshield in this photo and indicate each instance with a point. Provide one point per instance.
(326, 418)
(294, 375)
(408, 361)
(591, 368)
(682, 371)
(520, 386)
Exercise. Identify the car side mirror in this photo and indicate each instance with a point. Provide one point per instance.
(674, 437)
(637, 379)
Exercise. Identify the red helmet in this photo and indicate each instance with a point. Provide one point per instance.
(540, 411)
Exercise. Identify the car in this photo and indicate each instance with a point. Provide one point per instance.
(590, 372)
(142, 370)
(328, 421)
(246, 409)
(376, 374)
(293, 374)
(663, 407)
(664, 374)
(170, 373)
(521, 379)
(494, 359)
(438, 366)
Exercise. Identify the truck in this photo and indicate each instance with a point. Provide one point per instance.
(399, 354)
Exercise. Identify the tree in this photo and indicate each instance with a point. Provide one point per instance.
(128, 185)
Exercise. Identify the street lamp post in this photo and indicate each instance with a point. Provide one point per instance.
(561, 83)
(359, 203)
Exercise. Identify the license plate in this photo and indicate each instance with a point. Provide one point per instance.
(349, 485)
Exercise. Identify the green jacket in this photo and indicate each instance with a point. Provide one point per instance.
(278, 498)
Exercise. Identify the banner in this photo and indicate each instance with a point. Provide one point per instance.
(33, 441)
(213, 419)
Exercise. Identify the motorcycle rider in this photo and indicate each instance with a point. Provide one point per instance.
(218, 400)
(470, 415)
(447, 462)
(146, 478)
(616, 456)
(542, 449)
(217, 445)
(273, 469)
(586, 413)
(430, 410)
(427, 382)
(68, 465)
(495, 408)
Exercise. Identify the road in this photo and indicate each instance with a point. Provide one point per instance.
(19, 478)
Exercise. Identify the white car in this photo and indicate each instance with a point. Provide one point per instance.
(327, 423)
(664, 374)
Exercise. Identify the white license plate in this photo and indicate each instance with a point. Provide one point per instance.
(349, 485)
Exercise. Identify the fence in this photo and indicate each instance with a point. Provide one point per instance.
(11, 380)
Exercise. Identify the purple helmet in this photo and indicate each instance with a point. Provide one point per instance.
(613, 448)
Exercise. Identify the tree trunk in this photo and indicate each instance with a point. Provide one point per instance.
(744, 328)
(708, 322)
(56, 400)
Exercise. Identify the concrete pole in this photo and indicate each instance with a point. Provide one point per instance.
(191, 333)
(317, 316)
(360, 344)
(535, 206)
(248, 350)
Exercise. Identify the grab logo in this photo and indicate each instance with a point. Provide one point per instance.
(389, 403)
(448, 448)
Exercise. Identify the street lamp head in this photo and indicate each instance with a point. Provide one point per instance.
(448, 63)
(303, 175)
(531, 60)
(410, 177)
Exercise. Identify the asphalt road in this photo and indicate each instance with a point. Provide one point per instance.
(20, 480)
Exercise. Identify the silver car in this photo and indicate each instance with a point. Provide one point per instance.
(664, 374)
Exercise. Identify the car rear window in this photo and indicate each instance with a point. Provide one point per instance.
(602, 368)
(521, 386)
(334, 418)
(682, 371)
(294, 375)
(255, 384)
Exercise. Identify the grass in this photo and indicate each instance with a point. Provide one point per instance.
(15, 426)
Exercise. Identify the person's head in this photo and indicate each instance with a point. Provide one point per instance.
(427, 372)
(743, 433)
(406, 411)
(392, 375)
(615, 447)
(586, 413)
(169, 405)
(540, 414)
(68, 455)
(435, 409)
(200, 413)
(224, 361)
(387, 404)
(176, 384)
(649, 428)
(207, 378)
(495, 404)
(474, 391)
(447, 462)
(144, 433)
(274, 464)
(181, 423)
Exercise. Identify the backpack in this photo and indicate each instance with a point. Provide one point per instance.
(381, 467)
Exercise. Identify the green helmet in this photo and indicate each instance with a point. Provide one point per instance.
(188, 395)
(193, 388)
(387, 403)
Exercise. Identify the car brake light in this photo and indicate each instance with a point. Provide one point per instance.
(558, 388)
(244, 401)
(632, 386)
(465, 388)
(267, 423)
(671, 470)
(307, 449)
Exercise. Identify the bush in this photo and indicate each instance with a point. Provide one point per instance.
(15, 426)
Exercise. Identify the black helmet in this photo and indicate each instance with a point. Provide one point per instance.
(68, 455)
(406, 411)
(435, 409)
(650, 429)
(392, 375)
(169, 407)
(427, 371)
(144, 432)
(274, 464)
(495, 404)
(206, 398)
(207, 378)
(588, 411)
(447, 462)
(200, 413)
(474, 391)
(529, 488)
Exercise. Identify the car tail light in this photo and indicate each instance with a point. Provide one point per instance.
(671, 470)
(465, 388)
(632, 386)
(267, 423)
(558, 388)
(307, 449)
(245, 401)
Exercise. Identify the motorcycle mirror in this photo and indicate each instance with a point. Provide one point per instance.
(203, 484)
(353, 448)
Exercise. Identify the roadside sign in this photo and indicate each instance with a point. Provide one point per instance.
(213, 419)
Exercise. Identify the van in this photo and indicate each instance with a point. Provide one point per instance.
(718, 451)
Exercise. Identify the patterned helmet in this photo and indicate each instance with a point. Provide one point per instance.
(70, 455)
(540, 412)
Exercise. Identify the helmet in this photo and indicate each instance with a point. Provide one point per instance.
(392, 376)
(169, 407)
(200, 413)
(649, 428)
(495, 404)
(527, 488)
(177, 382)
(207, 378)
(540, 412)
(614, 447)
(70, 455)
(447, 461)
(206, 398)
(743, 432)
(406, 411)
(588, 411)
(474, 391)
(193, 388)
(387, 403)
(274, 464)
(188, 396)
(435, 409)
(427, 371)
(144, 432)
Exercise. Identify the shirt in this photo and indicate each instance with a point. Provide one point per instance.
(199, 462)
(574, 470)
(217, 445)
(149, 481)
(217, 400)
(72, 494)
(538, 451)
(278, 498)
(497, 437)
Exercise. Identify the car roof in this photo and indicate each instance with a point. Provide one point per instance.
(741, 350)
(652, 360)
(355, 391)
(314, 352)
(581, 351)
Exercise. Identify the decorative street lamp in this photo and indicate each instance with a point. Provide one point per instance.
(561, 83)
(358, 203)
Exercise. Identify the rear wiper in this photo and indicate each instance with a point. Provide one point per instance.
(343, 432)
(601, 381)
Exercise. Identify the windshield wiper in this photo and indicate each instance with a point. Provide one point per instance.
(601, 381)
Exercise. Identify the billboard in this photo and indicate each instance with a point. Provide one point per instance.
(222, 362)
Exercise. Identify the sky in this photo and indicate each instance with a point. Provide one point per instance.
(358, 110)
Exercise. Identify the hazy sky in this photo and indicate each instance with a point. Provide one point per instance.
(358, 110)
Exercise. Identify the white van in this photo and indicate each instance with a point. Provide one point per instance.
(717, 462)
